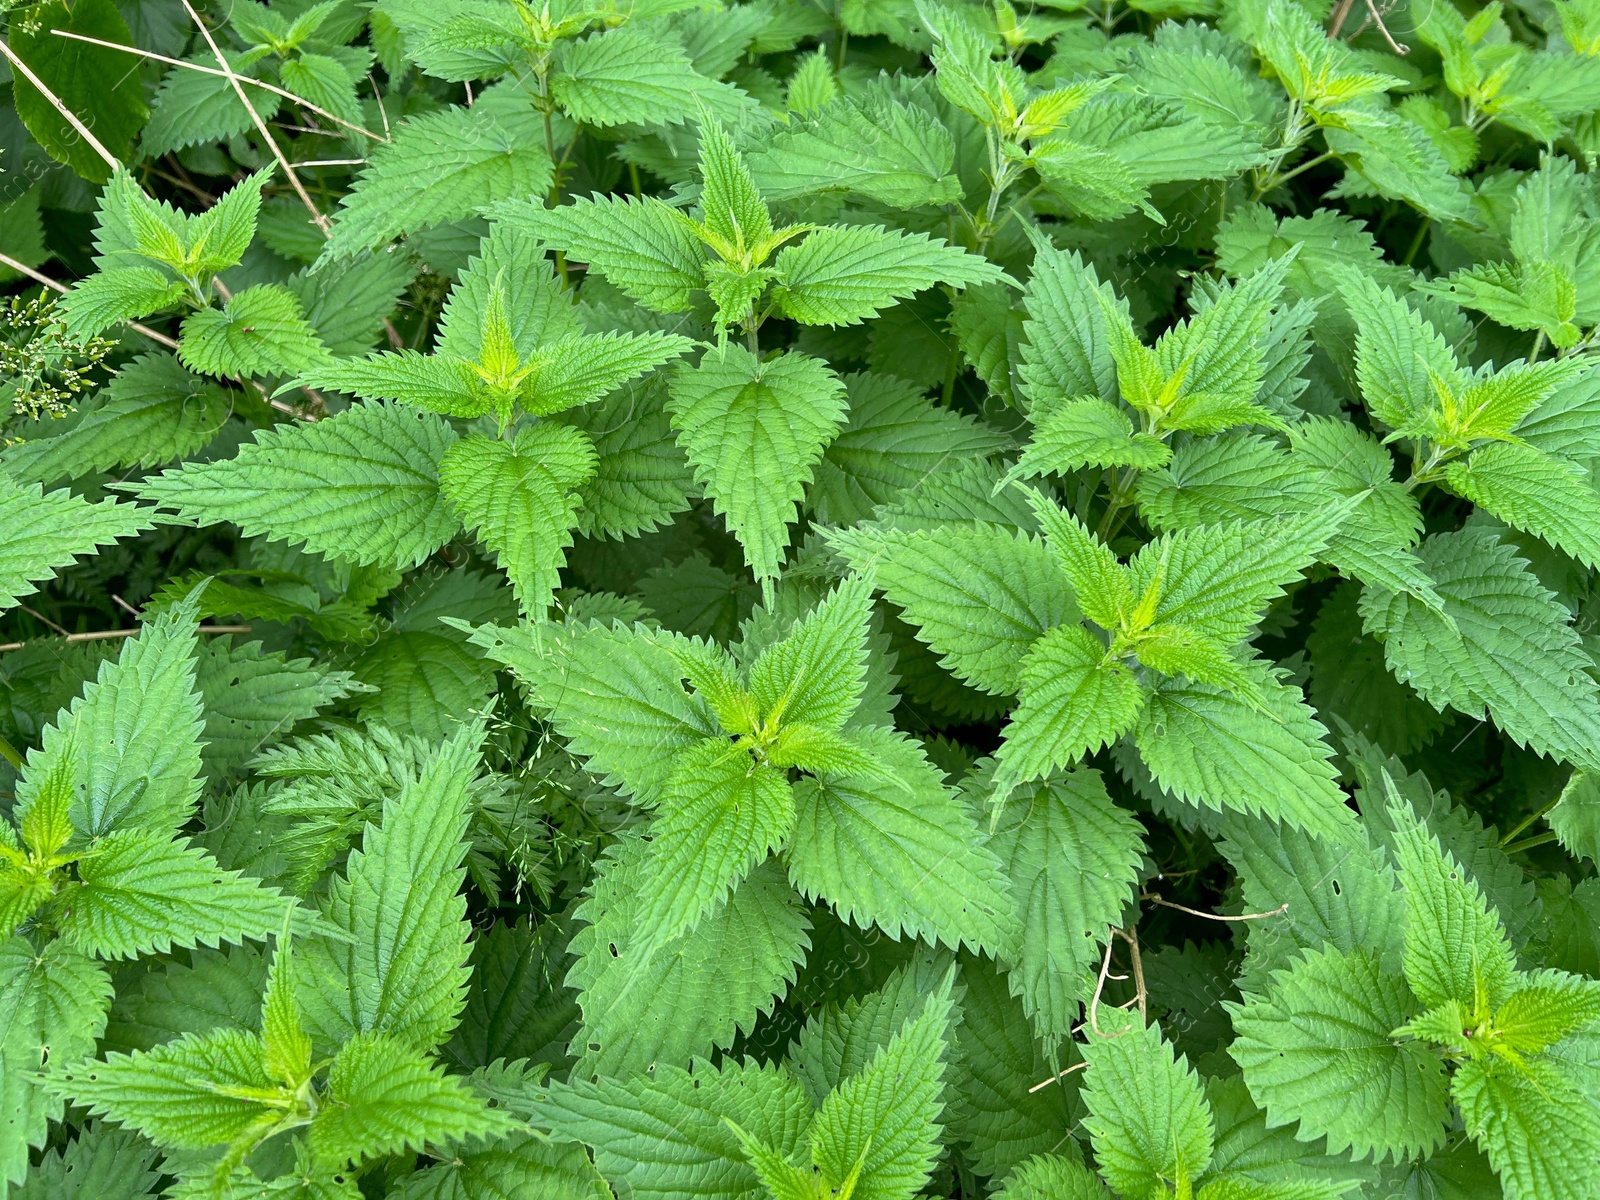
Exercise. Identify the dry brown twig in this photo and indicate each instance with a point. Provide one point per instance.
(264, 86)
(55, 101)
(1374, 17)
(1136, 969)
(100, 635)
(1039, 1087)
(261, 126)
(1195, 912)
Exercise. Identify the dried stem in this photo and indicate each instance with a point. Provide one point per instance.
(1195, 912)
(1039, 1087)
(67, 113)
(1131, 936)
(1099, 988)
(261, 126)
(266, 87)
(1337, 20)
(39, 616)
(1376, 17)
(101, 635)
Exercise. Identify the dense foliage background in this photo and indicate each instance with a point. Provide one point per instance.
(809, 598)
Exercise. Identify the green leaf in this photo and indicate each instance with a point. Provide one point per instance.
(1549, 497)
(519, 496)
(1341, 895)
(816, 674)
(219, 237)
(1087, 432)
(1047, 1177)
(1397, 355)
(1148, 1117)
(216, 989)
(55, 1001)
(1502, 642)
(1533, 295)
(1552, 1006)
(54, 1004)
(1262, 755)
(666, 1133)
(1248, 1149)
(1075, 699)
(143, 893)
(1099, 582)
(517, 1006)
(425, 683)
(996, 1066)
(1398, 160)
(579, 370)
(192, 107)
(615, 694)
(469, 159)
(285, 1046)
(253, 698)
(627, 76)
(871, 142)
(510, 271)
(641, 476)
(177, 1095)
(720, 815)
(980, 596)
(893, 439)
(511, 1166)
(1535, 1122)
(693, 993)
(1072, 857)
(48, 532)
(261, 331)
(94, 83)
(869, 847)
(647, 249)
(1575, 819)
(348, 305)
(104, 1163)
(403, 974)
(1318, 1049)
(1456, 947)
(843, 274)
(1067, 353)
(385, 1098)
(880, 1127)
(753, 431)
(362, 486)
(1219, 579)
(432, 382)
(153, 412)
(841, 1038)
(131, 743)
(116, 295)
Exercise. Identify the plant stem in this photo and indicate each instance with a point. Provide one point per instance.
(1416, 242)
(1303, 167)
(1120, 496)
(1528, 820)
(1538, 839)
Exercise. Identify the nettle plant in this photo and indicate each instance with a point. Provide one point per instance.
(792, 600)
